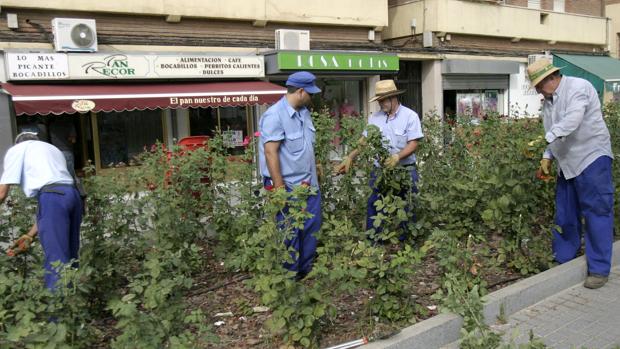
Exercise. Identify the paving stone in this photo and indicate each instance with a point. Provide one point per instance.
(574, 318)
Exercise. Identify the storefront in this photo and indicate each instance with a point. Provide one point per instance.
(475, 88)
(347, 79)
(524, 100)
(110, 123)
(602, 71)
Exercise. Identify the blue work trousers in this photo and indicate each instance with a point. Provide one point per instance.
(589, 196)
(303, 241)
(371, 209)
(58, 219)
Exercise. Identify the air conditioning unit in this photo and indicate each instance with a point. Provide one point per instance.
(289, 39)
(74, 35)
(533, 58)
(427, 39)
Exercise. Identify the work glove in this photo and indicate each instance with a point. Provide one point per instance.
(319, 171)
(545, 166)
(20, 245)
(392, 161)
(277, 197)
(361, 142)
(344, 166)
(536, 141)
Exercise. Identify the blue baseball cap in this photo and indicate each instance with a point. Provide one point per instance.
(305, 80)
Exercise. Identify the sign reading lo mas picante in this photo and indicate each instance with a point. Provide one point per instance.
(104, 66)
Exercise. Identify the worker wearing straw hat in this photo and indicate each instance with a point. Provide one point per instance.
(402, 129)
(579, 141)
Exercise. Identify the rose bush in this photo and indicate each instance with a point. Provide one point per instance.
(480, 208)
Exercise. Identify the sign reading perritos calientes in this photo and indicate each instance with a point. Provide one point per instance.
(336, 61)
(209, 66)
(131, 66)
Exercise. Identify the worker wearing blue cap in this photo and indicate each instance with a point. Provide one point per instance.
(286, 158)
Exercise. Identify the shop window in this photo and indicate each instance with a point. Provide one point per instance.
(233, 121)
(409, 79)
(472, 104)
(63, 131)
(339, 95)
(203, 121)
(234, 126)
(124, 135)
(342, 97)
(36, 124)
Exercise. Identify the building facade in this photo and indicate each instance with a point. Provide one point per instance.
(481, 47)
(612, 10)
(160, 71)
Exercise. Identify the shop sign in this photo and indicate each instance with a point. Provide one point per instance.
(130, 66)
(336, 61)
(36, 66)
(98, 66)
(232, 99)
(83, 105)
(233, 138)
(108, 66)
(208, 66)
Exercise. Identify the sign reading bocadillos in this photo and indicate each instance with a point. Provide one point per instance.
(36, 66)
(209, 66)
(121, 66)
(128, 66)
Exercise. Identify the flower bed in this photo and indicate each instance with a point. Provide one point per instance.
(156, 266)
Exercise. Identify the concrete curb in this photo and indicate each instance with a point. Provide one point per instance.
(444, 329)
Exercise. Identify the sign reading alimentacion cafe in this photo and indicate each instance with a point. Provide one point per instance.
(121, 66)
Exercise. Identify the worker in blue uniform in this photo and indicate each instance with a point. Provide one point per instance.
(579, 141)
(41, 171)
(287, 160)
(401, 130)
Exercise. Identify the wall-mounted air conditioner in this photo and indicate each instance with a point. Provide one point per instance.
(74, 35)
(289, 39)
(427, 39)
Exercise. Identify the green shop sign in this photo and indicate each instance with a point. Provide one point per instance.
(336, 61)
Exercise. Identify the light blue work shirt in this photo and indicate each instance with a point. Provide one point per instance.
(402, 127)
(295, 131)
(574, 126)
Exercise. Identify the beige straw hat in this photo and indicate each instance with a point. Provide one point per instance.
(539, 70)
(384, 89)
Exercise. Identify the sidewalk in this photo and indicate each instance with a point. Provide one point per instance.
(574, 318)
(553, 304)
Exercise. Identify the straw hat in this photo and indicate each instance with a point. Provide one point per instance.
(540, 69)
(384, 89)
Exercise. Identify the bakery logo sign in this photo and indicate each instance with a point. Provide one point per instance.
(113, 66)
(83, 105)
